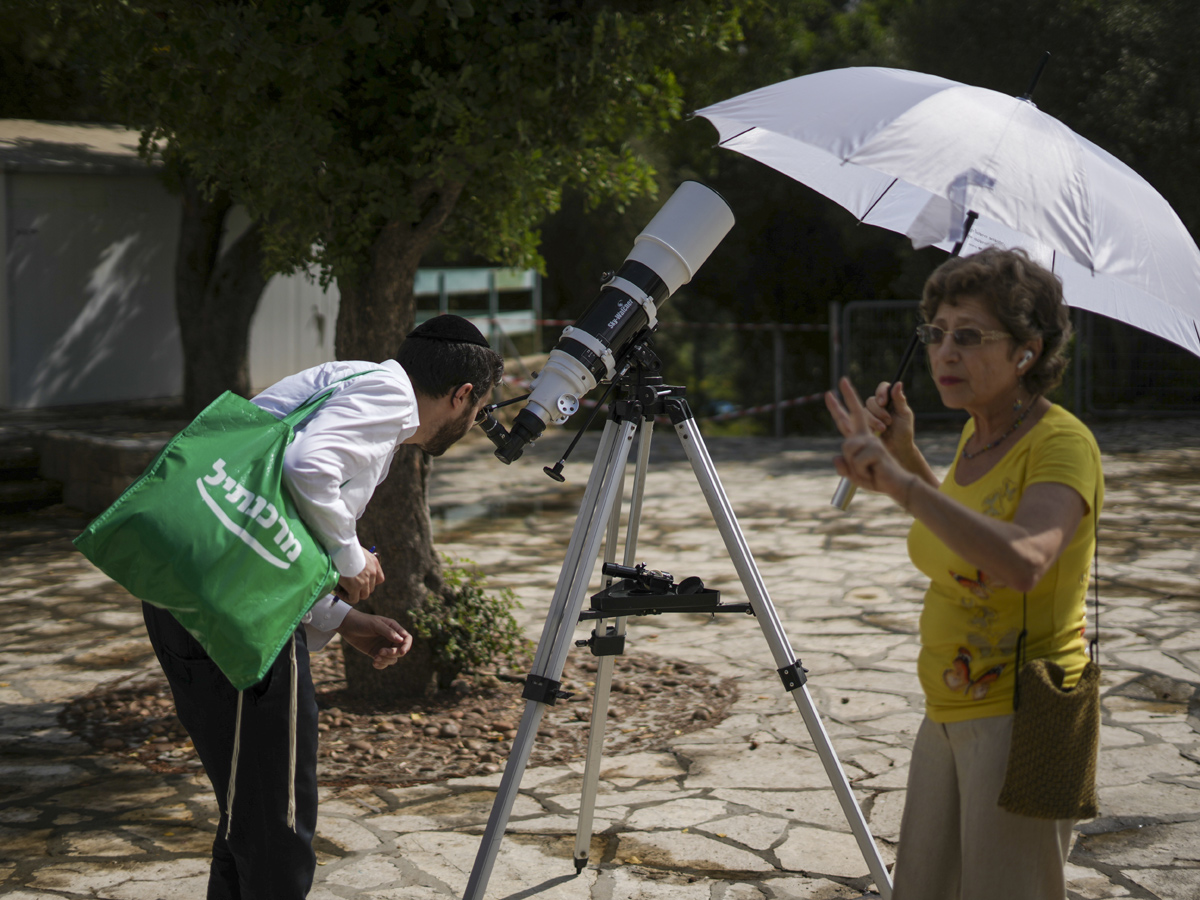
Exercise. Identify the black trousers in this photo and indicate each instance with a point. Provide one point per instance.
(262, 858)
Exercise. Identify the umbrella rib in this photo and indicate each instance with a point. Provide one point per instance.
(876, 201)
(734, 137)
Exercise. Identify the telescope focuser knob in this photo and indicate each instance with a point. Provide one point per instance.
(556, 472)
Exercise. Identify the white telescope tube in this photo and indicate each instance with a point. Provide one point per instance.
(665, 256)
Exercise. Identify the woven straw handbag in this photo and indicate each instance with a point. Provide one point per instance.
(1051, 770)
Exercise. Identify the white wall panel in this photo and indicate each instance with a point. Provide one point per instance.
(91, 289)
(292, 329)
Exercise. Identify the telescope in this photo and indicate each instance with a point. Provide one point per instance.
(665, 256)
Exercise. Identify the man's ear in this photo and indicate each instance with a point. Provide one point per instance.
(461, 394)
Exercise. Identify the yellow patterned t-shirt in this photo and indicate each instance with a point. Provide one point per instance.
(970, 621)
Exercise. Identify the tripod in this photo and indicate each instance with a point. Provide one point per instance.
(642, 397)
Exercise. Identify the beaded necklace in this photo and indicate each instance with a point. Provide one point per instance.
(1015, 425)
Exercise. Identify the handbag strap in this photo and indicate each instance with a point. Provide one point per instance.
(1094, 643)
(305, 409)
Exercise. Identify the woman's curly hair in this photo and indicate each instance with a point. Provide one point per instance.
(1024, 296)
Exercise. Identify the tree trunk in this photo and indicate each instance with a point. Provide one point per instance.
(377, 310)
(216, 295)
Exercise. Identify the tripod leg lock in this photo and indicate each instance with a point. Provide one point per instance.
(543, 690)
(793, 676)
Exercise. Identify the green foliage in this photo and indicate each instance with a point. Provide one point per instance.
(47, 69)
(466, 628)
(331, 121)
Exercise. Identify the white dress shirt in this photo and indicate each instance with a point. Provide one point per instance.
(339, 456)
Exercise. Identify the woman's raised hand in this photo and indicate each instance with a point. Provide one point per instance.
(865, 459)
(894, 426)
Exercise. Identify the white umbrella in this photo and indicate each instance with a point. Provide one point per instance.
(913, 153)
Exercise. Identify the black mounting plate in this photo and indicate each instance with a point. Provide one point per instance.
(619, 600)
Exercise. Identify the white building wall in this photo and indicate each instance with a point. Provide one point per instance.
(292, 330)
(87, 308)
(90, 289)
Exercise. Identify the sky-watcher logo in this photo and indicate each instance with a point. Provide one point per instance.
(260, 515)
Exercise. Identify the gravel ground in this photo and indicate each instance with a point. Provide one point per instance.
(466, 731)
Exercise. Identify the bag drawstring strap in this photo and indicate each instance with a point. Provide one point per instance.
(1020, 654)
(237, 746)
(292, 704)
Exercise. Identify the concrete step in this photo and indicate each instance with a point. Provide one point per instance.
(28, 493)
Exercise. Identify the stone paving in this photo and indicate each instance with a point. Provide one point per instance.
(741, 811)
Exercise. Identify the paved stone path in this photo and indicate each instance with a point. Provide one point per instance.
(741, 811)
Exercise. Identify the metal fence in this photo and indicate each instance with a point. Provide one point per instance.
(1116, 369)
(1126, 370)
(874, 335)
(778, 369)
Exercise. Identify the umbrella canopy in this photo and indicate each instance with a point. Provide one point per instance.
(913, 153)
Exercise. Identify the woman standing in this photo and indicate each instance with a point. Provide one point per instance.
(1015, 517)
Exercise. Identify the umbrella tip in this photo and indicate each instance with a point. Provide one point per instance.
(1028, 95)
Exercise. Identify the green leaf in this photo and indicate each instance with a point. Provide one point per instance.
(363, 29)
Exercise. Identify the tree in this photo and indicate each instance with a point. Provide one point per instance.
(356, 133)
(46, 68)
(216, 293)
(51, 60)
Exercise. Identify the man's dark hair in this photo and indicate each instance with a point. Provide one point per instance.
(437, 367)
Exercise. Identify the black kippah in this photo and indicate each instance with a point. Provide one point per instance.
(449, 328)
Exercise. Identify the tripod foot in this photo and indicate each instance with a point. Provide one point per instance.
(580, 863)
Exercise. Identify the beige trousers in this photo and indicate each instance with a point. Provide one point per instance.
(955, 842)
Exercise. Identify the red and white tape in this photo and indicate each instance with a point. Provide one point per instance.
(758, 410)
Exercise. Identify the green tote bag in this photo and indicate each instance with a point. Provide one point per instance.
(210, 533)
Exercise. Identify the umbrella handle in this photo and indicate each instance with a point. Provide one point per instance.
(846, 489)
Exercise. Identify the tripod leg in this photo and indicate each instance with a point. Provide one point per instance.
(591, 770)
(569, 575)
(595, 750)
(542, 683)
(786, 662)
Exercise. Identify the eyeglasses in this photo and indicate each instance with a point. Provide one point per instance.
(931, 335)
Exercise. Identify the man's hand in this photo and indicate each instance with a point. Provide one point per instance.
(379, 637)
(353, 588)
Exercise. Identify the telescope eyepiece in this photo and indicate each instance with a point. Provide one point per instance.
(492, 428)
(526, 429)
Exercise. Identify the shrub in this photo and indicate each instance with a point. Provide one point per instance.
(466, 628)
